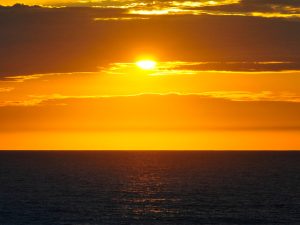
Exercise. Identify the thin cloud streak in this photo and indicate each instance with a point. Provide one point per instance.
(265, 96)
(151, 113)
(6, 89)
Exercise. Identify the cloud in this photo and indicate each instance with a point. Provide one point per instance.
(250, 96)
(120, 18)
(28, 77)
(6, 89)
(126, 79)
(181, 67)
(70, 39)
(151, 112)
(241, 66)
(264, 8)
(23, 78)
(239, 96)
(116, 4)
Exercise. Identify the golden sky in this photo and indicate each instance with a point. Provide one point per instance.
(220, 75)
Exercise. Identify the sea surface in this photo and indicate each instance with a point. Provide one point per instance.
(167, 187)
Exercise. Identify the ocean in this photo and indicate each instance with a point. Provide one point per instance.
(154, 187)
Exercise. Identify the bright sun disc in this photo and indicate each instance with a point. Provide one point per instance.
(146, 64)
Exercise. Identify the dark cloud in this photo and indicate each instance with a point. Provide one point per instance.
(271, 6)
(242, 66)
(271, 2)
(42, 40)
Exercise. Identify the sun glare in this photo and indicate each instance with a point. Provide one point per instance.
(146, 64)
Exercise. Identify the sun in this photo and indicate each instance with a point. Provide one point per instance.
(146, 64)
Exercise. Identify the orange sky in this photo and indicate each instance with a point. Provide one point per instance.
(220, 82)
(125, 107)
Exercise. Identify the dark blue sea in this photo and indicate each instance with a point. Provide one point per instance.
(89, 188)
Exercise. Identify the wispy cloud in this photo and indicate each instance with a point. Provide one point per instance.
(123, 18)
(146, 112)
(6, 89)
(265, 96)
(23, 78)
(252, 96)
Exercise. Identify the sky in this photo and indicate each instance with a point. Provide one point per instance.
(227, 75)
